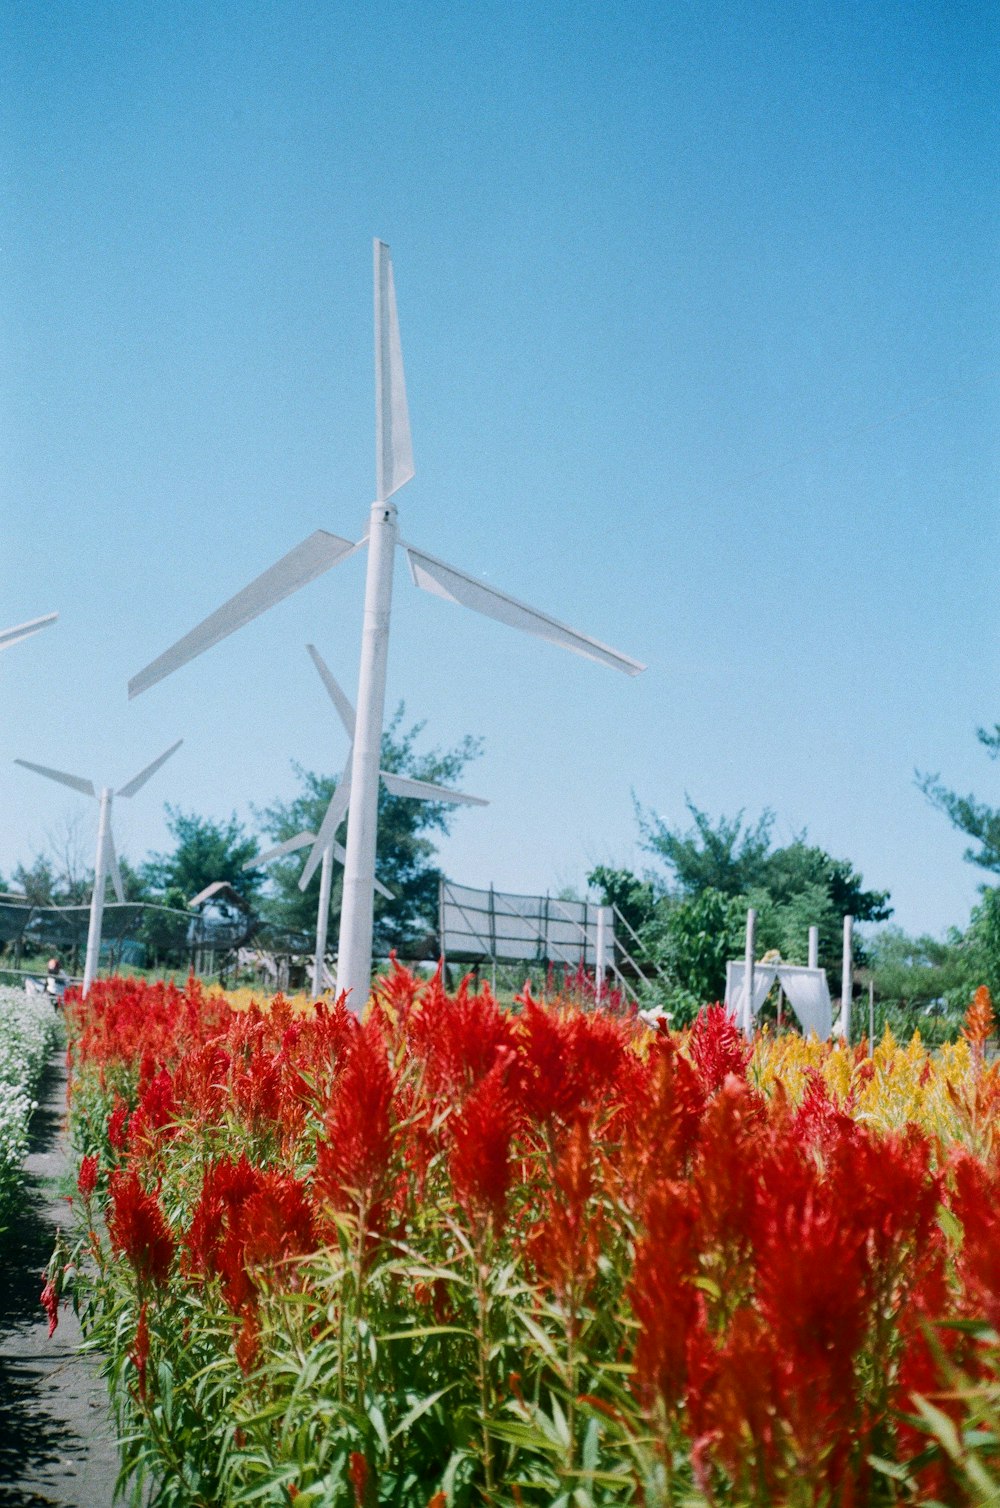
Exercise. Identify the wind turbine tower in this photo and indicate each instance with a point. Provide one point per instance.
(106, 859)
(321, 551)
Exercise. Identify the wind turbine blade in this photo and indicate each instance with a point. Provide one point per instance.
(334, 690)
(335, 814)
(116, 874)
(138, 781)
(423, 790)
(9, 636)
(340, 854)
(289, 846)
(71, 780)
(296, 569)
(393, 450)
(442, 580)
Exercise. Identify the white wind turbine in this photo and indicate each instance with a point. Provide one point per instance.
(325, 848)
(393, 467)
(12, 636)
(106, 860)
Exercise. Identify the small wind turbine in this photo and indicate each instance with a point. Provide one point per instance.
(393, 467)
(325, 848)
(11, 636)
(106, 860)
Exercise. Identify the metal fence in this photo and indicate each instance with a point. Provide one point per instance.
(493, 926)
(135, 934)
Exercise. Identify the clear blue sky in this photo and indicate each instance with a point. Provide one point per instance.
(699, 314)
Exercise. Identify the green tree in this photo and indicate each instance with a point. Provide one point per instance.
(982, 948)
(692, 939)
(37, 882)
(406, 848)
(913, 973)
(734, 858)
(728, 857)
(692, 919)
(205, 851)
(974, 818)
(635, 898)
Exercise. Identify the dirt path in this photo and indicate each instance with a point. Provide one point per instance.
(56, 1434)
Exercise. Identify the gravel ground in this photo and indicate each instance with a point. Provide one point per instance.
(56, 1433)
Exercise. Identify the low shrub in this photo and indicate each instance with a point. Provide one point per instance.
(28, 1032)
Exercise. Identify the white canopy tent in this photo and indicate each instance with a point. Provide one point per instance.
(807, 990)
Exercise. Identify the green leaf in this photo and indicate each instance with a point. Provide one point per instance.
(419, 1332)
(590, 1453)
(422, 1406)
(377, 1418)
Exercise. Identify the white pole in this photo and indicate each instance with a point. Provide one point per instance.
(601, 961)
(847, 970)
(814, 947)
(322, 920)
(748, 961)
(354, 955)
(97, 899)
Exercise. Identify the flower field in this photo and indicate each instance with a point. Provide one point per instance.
(458, 1255)
(27, 1035)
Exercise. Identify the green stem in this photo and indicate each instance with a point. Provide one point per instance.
(359, 1309)
(482, 1336)
(571, 1384)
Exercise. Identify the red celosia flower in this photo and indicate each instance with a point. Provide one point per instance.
(818, 1118)
(458, 1038)
(481, 1134)
(226, 1185)
(567, 1062)
(975, 1199)
(723, 1177)
(663, 1296)
(247, 1218)
(659, 1113)
(357, 1470)
(201, 1079)
(565, 1243)
(50, 1303)
(87, 1177)
(116, 1125)
(731, 1411)
(137, 1227)
(979, 1023)
(140, 1351)
(395, 994)
(717, 1047)
(353, 1161)
(248, 1342)
(156, 1110)
(276, 1220)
